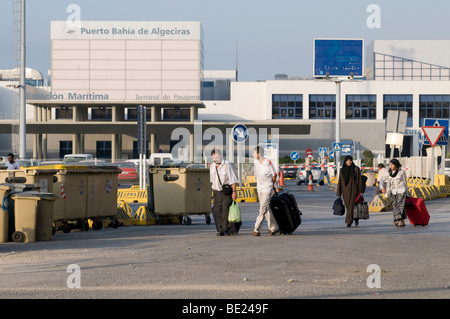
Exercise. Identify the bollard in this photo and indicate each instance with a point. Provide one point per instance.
(310, 184)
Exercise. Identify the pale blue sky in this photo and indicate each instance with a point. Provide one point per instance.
(273, 36)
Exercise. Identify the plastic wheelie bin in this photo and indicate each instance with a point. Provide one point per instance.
(102, 195)
(33, 214)
(71, 189)
(5, 189)
(180, 191)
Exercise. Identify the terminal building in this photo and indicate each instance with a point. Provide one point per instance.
(103, 70)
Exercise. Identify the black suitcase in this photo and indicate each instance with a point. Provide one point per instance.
(285, 210)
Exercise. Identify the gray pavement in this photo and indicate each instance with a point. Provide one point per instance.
(322, 259)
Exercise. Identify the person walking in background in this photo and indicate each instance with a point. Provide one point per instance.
(382, 175)
(12, 164)
(397, 189)
(265, 181)
(222, 173)
(349, 186)
(324, 171)
(308, 167)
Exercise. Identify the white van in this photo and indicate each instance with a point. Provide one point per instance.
(159, 158)
(76, 158)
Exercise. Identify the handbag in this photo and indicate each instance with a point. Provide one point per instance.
(361, 210)
(226, 188)
(234, 213)
(338, 207)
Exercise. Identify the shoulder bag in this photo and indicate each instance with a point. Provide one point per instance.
(227, 189)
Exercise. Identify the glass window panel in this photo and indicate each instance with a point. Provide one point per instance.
(435, 72)
(430, 112)
(283, 104)
(388, 72)
(283, 113)
(379, 64)
(417, 65)
(445, 72)
(407, 72)
(290, 113)
(445, 113)
(298, 113)
(312, 113)
(275, 113)
(398, 64)
(417, 72)
(388, 65)
(407, 64)
(349, 113)
(379, 57)
(426, 72)
(388, 58)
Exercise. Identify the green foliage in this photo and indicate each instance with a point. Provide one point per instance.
(368, 157)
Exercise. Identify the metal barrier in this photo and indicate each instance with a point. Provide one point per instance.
(132, 195)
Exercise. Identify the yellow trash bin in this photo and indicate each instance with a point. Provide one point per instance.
(5, 189)
(181, 191)
(102, 191)
(33, 213)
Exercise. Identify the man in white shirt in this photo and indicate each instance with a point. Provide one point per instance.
(324, 171)
(11, 164)
(265, 179)
(222, 173)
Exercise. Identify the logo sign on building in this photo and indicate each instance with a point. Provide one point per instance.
(443, 140)
(338, 57)
(239, 133)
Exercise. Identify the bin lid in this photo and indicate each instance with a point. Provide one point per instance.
(35, 195)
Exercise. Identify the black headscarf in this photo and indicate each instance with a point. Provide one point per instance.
(397, 166)
(347, 171)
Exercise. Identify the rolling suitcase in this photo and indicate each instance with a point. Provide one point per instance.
(416, 211)
(285, 210)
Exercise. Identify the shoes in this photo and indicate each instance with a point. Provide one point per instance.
(349, 225)
(318, 184)
(356, 222)
(221, 234)
(273, 233)
(402, 223)
(395, 223)
(255, 233)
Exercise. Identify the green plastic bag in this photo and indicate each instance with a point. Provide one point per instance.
(234, 213)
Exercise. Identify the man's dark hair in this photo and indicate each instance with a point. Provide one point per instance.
(381, 165)
(214, 151)
(11, 154)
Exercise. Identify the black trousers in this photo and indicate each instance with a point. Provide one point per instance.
(221, 207)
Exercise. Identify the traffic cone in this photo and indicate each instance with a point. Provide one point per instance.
(282, 179)
(310, 184)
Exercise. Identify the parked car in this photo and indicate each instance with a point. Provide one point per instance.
(301, 175)
(289, 173)
(47, 163)
(129, 172)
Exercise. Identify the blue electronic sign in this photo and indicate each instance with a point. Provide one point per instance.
(338, 57)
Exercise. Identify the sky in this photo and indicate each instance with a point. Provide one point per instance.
(264, 37)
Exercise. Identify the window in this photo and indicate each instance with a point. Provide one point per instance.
(132, 114)
(101, 114)
(361, 107)
(63, 113)
(176, 114)
(103, 149)
(322, 106)
(387, 67)
(287, 106)
(65, 147)
(398, 103)
(434, 106)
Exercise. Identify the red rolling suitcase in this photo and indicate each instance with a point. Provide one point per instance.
(416, 211)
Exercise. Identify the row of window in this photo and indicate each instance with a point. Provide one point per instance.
(323, 106)
(105, 114)
(103, 149)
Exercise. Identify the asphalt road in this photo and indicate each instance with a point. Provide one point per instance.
(323, 259)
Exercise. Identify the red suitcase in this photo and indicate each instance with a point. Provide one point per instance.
(416, 211)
